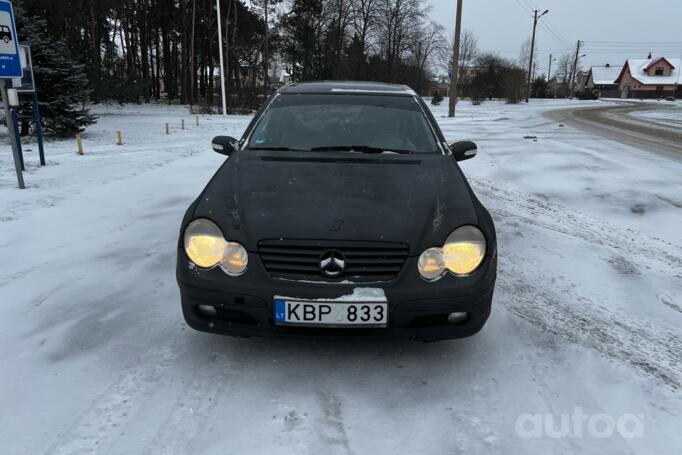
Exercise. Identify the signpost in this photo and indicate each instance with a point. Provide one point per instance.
(10, 67)
(27, 86)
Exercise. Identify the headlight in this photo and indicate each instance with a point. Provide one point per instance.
(463, 253)
(431, 264)
(204, 243)
(206, 247)
(235, 259)
(464, 250)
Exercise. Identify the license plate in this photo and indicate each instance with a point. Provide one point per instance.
(331, 314)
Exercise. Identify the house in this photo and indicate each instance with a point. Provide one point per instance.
(468, 73)
(580, 78)
(603, 80)
(284, 76)
(439, 84)
(657, 77)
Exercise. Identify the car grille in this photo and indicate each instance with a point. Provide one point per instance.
(300, 259)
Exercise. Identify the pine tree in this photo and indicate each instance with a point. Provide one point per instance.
(61, 83)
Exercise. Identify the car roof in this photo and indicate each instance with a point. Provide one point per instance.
(347, 87)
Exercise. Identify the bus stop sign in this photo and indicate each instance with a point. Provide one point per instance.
(10, 62)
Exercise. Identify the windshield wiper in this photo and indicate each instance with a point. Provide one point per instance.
(357, 148)
(278, 149)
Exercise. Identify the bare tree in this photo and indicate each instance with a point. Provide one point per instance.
(365, 19)
(564, 68)
(468, 48)
(429, 46)
(524, 55)
(468, 51)
(341, 19)
(398, 27)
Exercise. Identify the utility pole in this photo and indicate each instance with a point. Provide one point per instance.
(266, 69)
(454, 77)
(575, 68)
(549, 71)
(677, 83)
(532, 50)
(222, 61)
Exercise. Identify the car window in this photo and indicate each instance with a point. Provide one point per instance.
(313, 121)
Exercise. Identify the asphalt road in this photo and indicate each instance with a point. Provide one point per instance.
(616, 122)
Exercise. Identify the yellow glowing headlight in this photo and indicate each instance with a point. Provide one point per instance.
(204, 243)
(431, 264)
(206, 247)
(464, 250)
(235, 259)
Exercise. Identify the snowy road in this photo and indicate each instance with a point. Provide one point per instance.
(652, 126)
(587, 317)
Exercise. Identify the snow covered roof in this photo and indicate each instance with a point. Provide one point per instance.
(638, 69)
(605, 75)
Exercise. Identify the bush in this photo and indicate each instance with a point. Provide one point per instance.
(513, 85)
(588, 95)
(437, 99)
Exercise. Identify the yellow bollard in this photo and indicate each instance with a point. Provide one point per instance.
(79, 143)
(167, 128)
(119, 138)
(182, 124)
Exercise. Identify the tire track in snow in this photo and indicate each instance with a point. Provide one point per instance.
(192, 410)
(99, 425)
(575, 224)
(333, 429)
(561, 308)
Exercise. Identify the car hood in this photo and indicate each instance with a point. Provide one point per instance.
(417, 200)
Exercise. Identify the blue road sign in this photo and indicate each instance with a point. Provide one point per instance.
(10, 63)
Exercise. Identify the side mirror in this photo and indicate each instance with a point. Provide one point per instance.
(225, 145)
(463, 150)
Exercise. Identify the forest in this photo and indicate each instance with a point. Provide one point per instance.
(92, 51)
(144, 50)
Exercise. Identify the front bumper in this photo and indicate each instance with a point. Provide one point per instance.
(417, 309)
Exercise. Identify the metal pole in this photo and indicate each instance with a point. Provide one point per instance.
(677, 82)
(222, 61)
(549, 71)
(454, 80)
(39, 128)
(15, 125)
(12, 138)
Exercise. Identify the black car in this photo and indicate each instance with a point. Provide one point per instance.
(341, 212)
(5, 34)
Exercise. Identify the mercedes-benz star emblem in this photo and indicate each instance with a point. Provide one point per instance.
(332, 263)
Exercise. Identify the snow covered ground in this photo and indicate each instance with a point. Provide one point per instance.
(672, 116)
(582, 354)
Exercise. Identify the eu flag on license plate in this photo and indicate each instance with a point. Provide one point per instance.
(280, 310)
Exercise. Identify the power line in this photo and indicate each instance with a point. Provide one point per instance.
(545, 51)
(548, 25)
(552, 33)
(633, 42)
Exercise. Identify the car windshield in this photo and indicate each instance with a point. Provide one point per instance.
(357, 123)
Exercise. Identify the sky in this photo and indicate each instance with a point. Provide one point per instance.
(613, 30)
